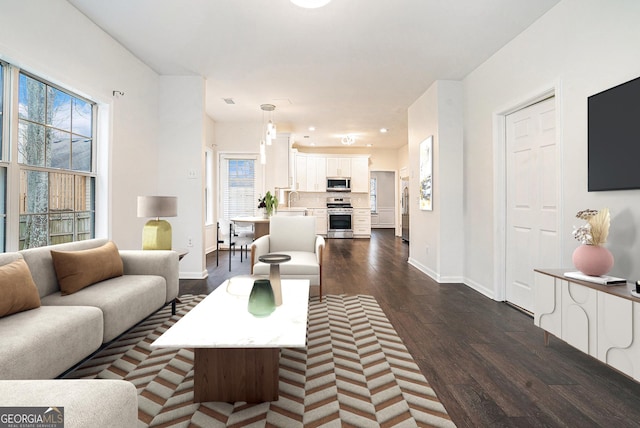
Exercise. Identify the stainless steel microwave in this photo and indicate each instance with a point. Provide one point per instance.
(338, 184)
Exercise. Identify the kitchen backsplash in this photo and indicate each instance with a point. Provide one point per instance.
(319, 199)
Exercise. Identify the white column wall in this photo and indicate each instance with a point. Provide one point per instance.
(436, 237)
(181, 146)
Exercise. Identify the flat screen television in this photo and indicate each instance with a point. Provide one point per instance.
(614, 138)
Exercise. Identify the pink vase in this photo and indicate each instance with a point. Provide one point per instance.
(593, 260)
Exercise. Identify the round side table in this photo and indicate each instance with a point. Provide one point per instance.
(274, 261)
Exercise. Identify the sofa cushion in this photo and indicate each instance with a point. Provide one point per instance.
(41, 264)
(124, 301)
(78, 269)
(18, 292)
(44, 342)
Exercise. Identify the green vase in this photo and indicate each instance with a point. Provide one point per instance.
(261, 300)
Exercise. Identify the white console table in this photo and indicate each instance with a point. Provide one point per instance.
(600, 320)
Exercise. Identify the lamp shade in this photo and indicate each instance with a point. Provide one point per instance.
(157, 206)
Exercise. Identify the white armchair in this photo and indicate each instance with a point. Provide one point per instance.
(296, 237)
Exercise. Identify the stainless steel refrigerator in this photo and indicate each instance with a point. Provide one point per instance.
(405, 209)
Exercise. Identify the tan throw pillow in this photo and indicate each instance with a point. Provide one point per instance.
(78, 269)
(18, 292)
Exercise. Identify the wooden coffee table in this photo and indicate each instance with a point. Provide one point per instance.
(236, 355)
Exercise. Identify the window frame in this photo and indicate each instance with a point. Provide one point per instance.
(10, 160)
(222, 180)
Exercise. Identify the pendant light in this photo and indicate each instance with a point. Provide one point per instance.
(263, 153)
(270, 133)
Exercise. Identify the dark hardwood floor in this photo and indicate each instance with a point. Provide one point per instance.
(485, 360)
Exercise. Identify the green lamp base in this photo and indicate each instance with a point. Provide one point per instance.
(156, 235)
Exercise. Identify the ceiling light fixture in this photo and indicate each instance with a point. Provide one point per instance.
(384, 130)
(348, 140)
(310, 4)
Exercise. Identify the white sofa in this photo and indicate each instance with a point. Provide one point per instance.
(296, 237)
(44, 342)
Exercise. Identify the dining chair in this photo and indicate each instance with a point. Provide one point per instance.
(225, 234)
(243, 236)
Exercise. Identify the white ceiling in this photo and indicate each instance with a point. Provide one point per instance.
(351, 67)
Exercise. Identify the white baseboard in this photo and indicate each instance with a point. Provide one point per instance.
(480, 288)
(194, 275)
(452, 279)
(441, 279)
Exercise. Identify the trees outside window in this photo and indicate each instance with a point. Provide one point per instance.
(55, 148)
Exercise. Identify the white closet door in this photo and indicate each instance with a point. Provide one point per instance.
(532, 199)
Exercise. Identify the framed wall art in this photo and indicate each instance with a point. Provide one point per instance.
(426, 174)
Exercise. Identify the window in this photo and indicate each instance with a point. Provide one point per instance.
(238, 181)
(54, 154)
(3, 165)
(373, 194)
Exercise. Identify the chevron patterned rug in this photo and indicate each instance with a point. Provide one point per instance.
(355, 372)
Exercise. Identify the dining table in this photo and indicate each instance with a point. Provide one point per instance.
(260, 224)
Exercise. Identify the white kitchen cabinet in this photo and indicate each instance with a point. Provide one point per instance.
(277, 173)
(361, 223)
(311, 173)
(301, 172)
(338, 167)
(360, 174)
(316, 174)
(321, 220)
(603, 321)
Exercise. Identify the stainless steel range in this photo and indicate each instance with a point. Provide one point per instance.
(340, 218)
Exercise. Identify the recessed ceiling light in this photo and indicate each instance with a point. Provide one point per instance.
(384, 130)
(369, 145)
(310, 4)
(312, 128)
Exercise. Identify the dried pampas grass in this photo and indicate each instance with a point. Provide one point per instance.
(596, 230)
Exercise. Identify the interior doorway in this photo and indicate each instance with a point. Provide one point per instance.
(404, 208)
(532, 198)
(383, 200)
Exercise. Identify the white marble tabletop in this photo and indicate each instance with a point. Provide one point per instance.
(222, 320)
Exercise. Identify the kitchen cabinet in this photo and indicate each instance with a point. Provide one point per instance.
(360, 174)
(602, 321)
(361, 223)
(311, 173)
(312, 170)
(321, 220)
(277, 173)
(338, 167)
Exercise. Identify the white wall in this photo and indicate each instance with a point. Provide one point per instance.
(79, 56)
(436, 237)
(181, 145)
(581, 47)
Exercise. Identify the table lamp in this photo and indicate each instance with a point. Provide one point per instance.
(156, 234)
